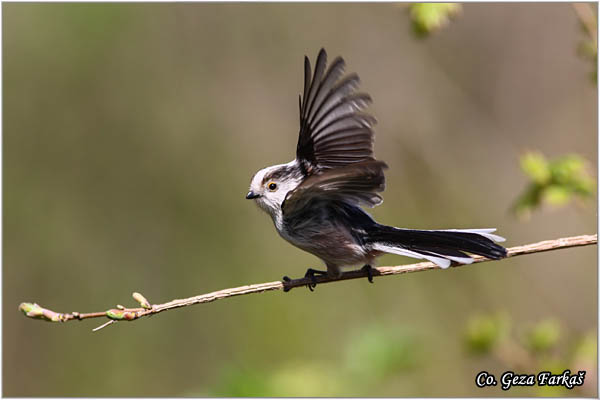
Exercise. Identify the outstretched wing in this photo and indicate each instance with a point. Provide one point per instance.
(356, 184)
(333, 130)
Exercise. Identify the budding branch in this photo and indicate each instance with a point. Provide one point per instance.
(121, 313)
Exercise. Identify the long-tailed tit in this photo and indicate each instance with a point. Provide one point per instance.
(315, 200)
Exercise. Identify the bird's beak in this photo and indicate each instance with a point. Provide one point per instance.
(252, 195)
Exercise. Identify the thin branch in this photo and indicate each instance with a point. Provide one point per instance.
(104, 325)
(121, 313)
(586, 16)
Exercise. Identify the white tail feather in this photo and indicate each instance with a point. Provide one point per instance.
(439, 261)
(483, 232)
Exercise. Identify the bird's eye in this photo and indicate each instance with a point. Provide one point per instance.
(272, 186)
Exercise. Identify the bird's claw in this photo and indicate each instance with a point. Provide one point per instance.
(310, 273)
(286, 279)
(369, 270)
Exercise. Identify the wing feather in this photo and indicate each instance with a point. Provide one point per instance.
(342, 124)
(358, 183)
(316, 80)
(325, 91)
(334, 132)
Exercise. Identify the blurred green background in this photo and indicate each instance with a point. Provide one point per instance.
(131, 132)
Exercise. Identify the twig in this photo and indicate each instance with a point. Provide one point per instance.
(110, 322)
(121, 313)
(586, 16)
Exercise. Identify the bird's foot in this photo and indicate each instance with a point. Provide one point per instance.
(369, 270)
(286, 279)
(310, 273)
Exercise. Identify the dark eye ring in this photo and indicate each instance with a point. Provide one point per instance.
(272, 186)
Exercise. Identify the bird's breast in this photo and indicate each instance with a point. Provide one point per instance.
(331, 242)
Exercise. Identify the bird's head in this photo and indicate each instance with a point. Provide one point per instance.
(270, 185)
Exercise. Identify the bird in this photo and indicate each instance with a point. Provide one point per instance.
(316, 200)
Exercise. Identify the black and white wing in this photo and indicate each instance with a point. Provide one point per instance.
(356, 184)
(334, 132)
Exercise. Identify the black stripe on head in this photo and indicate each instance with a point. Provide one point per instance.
(282, 173)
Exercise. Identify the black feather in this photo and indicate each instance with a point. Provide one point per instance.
(354, 184)
(331, 114)
(437, 242)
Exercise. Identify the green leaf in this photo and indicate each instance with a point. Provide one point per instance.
(588, 51)
(543, 336)
(567, 168)
(306, 380)
(553, 182)
(584, 186)
(429, 17)
(586, 349)
(557, 195)
(484, 332)
(534, 164)
(380, 351)
(236, 382)
(295, 379)
(528, 201)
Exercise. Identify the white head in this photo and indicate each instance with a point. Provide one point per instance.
(270, 185)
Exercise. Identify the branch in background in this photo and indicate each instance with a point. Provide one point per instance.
(586, 16)
(121, 313)
(588, 48)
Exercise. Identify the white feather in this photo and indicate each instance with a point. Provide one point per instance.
(441, 262)
(461, 260)
(483, 232)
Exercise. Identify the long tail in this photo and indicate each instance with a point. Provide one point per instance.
(440, 247)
